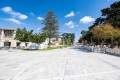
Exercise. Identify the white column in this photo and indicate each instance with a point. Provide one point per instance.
(13, 43)
(14, 33)
(1, 44)
(2, 34)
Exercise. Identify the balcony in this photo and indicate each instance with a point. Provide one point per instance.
(8, 34)
(8, 37)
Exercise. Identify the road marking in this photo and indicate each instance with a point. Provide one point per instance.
(93, 74)
(82, 75)
(65, 68)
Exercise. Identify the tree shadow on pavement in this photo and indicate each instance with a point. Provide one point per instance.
(80, 49)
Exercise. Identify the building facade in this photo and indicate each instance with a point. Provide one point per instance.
(7, 39)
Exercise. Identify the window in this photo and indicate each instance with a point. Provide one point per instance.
(8, 33)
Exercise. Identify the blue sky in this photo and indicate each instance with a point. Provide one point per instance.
(73, 15)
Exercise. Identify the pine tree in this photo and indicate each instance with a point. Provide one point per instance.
(50, 26)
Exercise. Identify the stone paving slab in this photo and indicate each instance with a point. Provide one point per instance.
(59, 64)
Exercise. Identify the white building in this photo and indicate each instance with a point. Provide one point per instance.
(7, 39)
(31, 45)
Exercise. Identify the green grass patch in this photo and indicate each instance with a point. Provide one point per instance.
(30, 49)
(50, 48)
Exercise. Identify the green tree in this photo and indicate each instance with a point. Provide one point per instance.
(106, 29)
(50, 26)
(23, 35)
(72, 37)
(112, 14)
(86, 37)
(97, 22)
(105, 32)
(68, 38)
(38, 38)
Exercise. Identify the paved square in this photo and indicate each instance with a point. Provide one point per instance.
(59, 64)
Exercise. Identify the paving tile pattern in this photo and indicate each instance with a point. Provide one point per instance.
(60, 64)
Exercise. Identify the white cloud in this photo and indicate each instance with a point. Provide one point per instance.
(39, 28)
(87, 19)
(13, 20)
(40, 18)
(71, 14)
(70, 24)
(32, 14)
(14, 14)
(7, 9)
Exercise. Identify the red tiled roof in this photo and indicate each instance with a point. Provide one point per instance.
(8, 28)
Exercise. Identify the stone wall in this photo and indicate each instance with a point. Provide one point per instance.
(114, 51)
